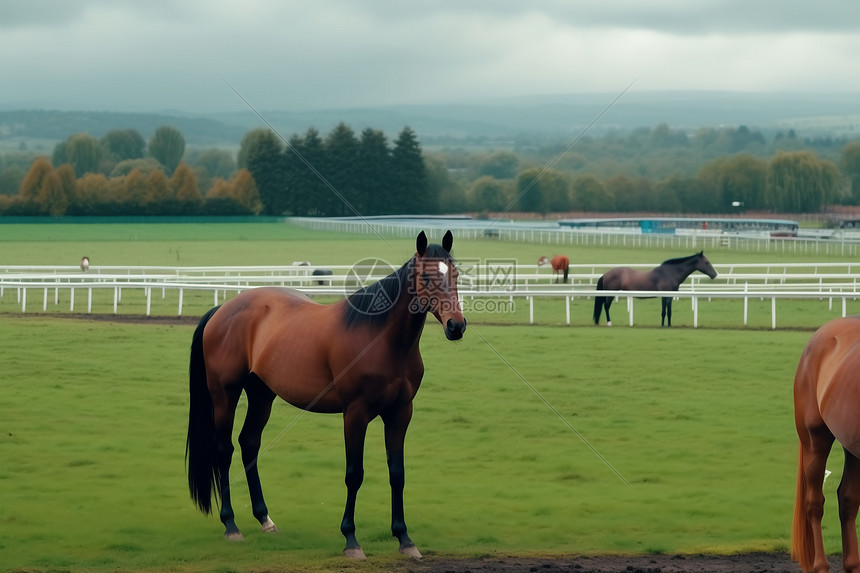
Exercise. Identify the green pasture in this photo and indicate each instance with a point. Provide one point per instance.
(541, 439)
(690, 447)
(277, 243)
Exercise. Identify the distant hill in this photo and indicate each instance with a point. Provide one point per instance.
(52, 124)
(814, 115)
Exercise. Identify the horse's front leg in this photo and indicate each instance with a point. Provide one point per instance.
(355, 420)
(666, 312)
(396, 423)
(260, 399)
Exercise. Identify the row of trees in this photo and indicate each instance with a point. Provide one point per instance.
(343, 173)
(57, 192)
(792, 182)
(120, 150)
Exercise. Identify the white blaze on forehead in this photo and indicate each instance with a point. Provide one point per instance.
(443, 268)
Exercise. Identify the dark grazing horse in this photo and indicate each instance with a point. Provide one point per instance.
(560, 264)
(668, 276)
(358, 357)
(827, 408)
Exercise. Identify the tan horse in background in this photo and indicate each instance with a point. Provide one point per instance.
(827, 408)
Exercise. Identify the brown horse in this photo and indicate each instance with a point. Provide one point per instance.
(827, 408)
(668, 276)
(560, 264)
(358, 357)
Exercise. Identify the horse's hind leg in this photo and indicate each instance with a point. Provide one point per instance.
(396, 423)
(607, 303)
(260, 399)
(849, 501)
(224, 402)
(815, 447)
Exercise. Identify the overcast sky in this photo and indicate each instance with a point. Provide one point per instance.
(150, 55)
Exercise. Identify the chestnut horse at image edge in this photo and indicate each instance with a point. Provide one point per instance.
(827, 408)
(559, 263)
(667, 276)
(358, 357)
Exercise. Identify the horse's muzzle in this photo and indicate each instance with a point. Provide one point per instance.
(454, 329)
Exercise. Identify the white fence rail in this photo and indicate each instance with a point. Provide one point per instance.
(31, 285)
(841, 243)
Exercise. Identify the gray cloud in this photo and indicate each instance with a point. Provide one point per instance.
(157, 54)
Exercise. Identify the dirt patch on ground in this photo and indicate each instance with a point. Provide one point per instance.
(748, 562)
(118, 318)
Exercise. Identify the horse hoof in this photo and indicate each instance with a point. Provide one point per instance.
(355, 553)
(411, 551)
(269, 526)
(234, 536)
(608, 324)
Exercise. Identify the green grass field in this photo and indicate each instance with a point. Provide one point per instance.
(526, 439)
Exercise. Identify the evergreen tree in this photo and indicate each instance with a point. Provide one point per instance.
(248, 141)
(266, 164)
(340, 168)
(313, 194)
(409, 177)
(373, 177)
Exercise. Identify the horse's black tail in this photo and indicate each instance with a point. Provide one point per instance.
(200, 447)
(598, 302)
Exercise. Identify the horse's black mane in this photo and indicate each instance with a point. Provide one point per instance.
(680, 260)
(372, 304)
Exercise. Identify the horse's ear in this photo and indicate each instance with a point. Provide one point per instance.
(421, 244)
(448, 241)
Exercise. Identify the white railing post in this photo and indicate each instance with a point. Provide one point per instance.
(630, 308)
(695, 311)
(567, 309)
